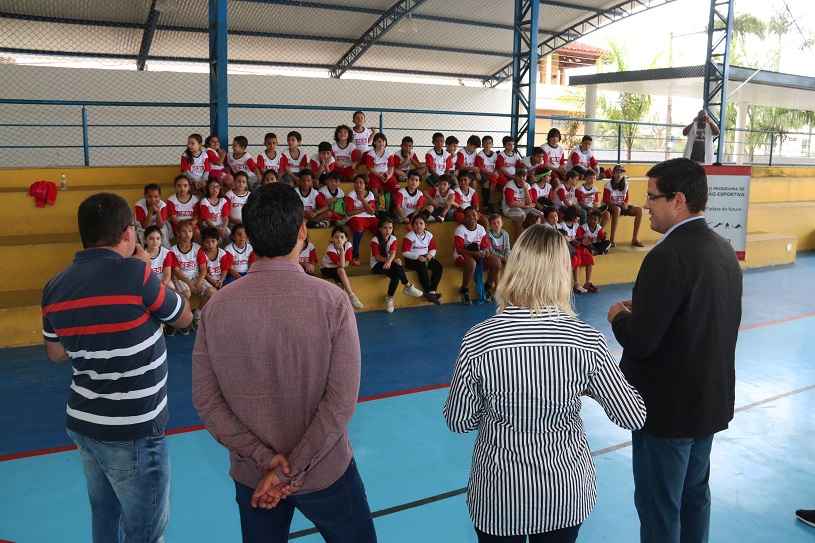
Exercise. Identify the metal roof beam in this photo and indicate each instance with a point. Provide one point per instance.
(569, 5)
(147, 37)
(606, 17)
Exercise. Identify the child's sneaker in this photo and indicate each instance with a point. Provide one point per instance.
(590, 287)
(412, 291)
(355, 301)
(465, 296)
(579, 290)
(389, 305)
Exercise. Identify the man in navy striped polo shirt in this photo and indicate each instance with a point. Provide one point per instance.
(104, 313)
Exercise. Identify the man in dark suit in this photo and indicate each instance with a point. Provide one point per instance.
(679, 339)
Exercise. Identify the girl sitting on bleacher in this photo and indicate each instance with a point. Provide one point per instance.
(214, 210)
(195, 162)
(384, 262)
(419, 250)
(360, 208)
(183, 205)
(336, 261)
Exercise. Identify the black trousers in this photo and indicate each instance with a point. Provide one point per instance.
(429, 273)
(564, 535)
(396, 273)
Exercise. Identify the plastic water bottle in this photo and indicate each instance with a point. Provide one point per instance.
(63, 182)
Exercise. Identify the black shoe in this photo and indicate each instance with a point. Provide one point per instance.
(465, 296)
(807, 516)
(432, 298)
(169, 331)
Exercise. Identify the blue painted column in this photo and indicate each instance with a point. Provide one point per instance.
(534, 24)
(218, 83)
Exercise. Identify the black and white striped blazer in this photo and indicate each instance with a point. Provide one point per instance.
(518, 381)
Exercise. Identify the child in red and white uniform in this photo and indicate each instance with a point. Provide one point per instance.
(315, 209)
(362, 135)
(294, 159)
(581, 257)
(437, 160)
(466, 197)
(384, 262)
(195, 162)
(360, 208)
(408, 161)
(269, 158)
(540, 190)
(237, 199)
(466, 159)
(161, 259)
(241, 252)
(564, 195)
(555, 154)
(152, 211)
(324, 164)
(485, 162)
(343, 150)
(591, 239)
(536, 163)
(308, 258)
(588, 198)
(213, 262)
(443, 199)
(517, 205)
(583, 156)
(183, 205)
(269, 176)
(471, 245)
(214, 210)
(334, 265)
(451, 144)
(507, 162)
(217, 160)
(409, 201)
(331, 197)
(381, 164)
(241, 161)
(186, 275)
(615, 196)
(419, 250)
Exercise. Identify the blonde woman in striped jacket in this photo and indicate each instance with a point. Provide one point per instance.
(518, 381)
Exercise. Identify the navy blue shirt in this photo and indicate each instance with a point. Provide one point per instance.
(106, 311)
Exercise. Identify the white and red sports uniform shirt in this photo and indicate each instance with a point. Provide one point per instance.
(331, 259)
(141, 212)
(405, 164)
(266, 162)
(485, 162)
(440, 200)
(539, 190)
(438, 163)
(464, 236)
(186, 263)
(216, 214)
(217, 268)
(215, 168)
(579, 157)
(415, 245)
(583, 232)
(185, 211)
(236, 203)
(379, 164)
(465, 159)
(612, 196)
(586, 196)
(241, 258)
(354, 203)
(164, 259)
(514, 193)
(362, 140)
(376, 250)
(508, 162)
(309, 254)
(343, 154)
(555, 157)
(468, 200)
(569, 230)
(290, 164)
(410, 203)
(198, 167)
(563, 196)
(326, 194)
(243, 164)
(314, 166)
(309, 199)
(535, 169)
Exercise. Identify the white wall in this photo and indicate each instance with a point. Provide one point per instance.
(33, 82)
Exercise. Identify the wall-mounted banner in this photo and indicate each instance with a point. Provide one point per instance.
(727, 202)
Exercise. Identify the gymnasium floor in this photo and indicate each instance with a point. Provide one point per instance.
(415, 471)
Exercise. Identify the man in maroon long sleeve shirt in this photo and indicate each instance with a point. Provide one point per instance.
(276, 368)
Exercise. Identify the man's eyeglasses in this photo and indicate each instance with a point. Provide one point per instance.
(655, 197)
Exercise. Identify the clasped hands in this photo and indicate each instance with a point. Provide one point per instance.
(271, 489)
(619, 307)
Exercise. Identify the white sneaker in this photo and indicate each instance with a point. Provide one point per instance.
(580, 289)
(355, 301)
(412, 291)
(389, 306)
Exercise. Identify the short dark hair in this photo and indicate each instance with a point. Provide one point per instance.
(407, 139)
(269, 137)
(273, 215)
(437, 135)
(235, 228)
(553, 132)
(685, 176)
(451, 139)
(151, 186)
(537, 151)
(150, 229)
(103, 218)
(586, 138)
(414, 173)
(324, 146)
(485, 138)
(240, 140)
(494, 216)
(305, 172)
(296, 135)
(241, 173)
(474, 140)
(507, 139)
(569, 214)
(444, 177)
(210, 233)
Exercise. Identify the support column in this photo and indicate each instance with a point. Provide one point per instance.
(717, 68)
(218, 83)
(740, 137)
(591, 108)
(525, 72)
(547, 74)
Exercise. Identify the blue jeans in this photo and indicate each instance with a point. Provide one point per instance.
(128, 487)
(340, 513)
(671, 489)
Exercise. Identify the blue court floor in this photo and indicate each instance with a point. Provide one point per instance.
(415, 471)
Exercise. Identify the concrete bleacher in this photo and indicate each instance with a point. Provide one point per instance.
(37, 243)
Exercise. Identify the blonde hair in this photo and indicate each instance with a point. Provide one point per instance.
(538, 273)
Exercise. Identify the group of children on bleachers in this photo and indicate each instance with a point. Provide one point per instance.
(211, 248)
